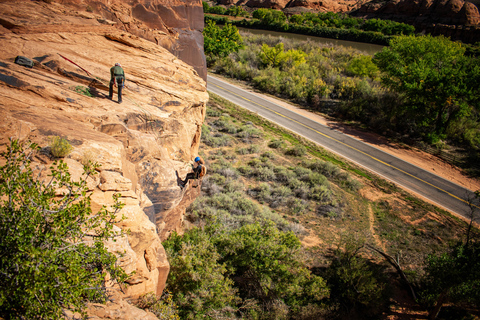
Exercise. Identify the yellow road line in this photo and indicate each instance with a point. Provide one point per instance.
(349, 146)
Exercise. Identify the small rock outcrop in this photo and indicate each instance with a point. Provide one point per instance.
(141, 144)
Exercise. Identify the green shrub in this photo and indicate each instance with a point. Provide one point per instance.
(83, 90)
(276, 144)
(248, 132)
(321, 193)
(46, 261)
(297, 151)
(252, 149)
(60, 147)
(197, 277)
(164, 308)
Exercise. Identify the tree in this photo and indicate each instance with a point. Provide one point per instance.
(277, 57)
(220, 42)
(452, 277)
(267, 265)
(197, 279)
(52, 255)
(269, 16)
(356, 284)
(221, 271)
(432, 74)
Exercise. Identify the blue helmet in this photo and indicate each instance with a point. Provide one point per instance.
(197, 159)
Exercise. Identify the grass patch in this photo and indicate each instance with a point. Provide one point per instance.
(83, 90)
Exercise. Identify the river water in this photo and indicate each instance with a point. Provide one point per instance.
(364, 47)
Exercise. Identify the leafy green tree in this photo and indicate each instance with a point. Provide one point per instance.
(236, 11)
(206, 7)
(272, 56)
(356, 284)
(52, 255)
(452, 277)
(267, 265)
(431, 73)
(197, 279)
(362, 66)
(220, 42)
(269, 16)
(277, 57)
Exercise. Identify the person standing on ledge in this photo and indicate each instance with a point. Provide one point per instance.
(117, 78)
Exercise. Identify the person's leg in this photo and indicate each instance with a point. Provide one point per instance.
(110, 90)
(189, 176)
(120, 87)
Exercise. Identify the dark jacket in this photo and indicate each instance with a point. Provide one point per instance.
(117, 74)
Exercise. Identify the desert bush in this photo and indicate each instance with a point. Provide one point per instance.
(163, 308)
(283, 174)
(213, 113)
(214, 140)
(248, 132)
(328, 169)
(261, 193)
(263, 173)
(297, 151)
(315, 179)
(297, 206)
(268, 155)
(60, 147)
(351, 184)
(321, 193)
(276, 144)
(223, 124)
(252, 149)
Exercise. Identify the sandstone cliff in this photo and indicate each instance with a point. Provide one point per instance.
(457, 19)
(140, 144)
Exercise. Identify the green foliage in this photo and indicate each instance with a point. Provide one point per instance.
(197, 277)
(52, 253)
(298, 150)
(432, 74)
(453, 277)
(163, 308)
(215, 10)
(237, 11)
(60, 147)
(276, 56)
(269, 16)
(83, 90)
(388, 27)
(220, 42)
(362, 66)
(355, 282)
(276, 143)
(218, 271)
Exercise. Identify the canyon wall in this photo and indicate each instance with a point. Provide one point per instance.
(141, 144)
(457, 19)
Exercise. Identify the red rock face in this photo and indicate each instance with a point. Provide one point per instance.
(453, 18)
(173, 24)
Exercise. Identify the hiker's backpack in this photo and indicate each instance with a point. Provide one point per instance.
(24, 61)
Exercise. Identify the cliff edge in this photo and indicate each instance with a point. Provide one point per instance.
(140, 144)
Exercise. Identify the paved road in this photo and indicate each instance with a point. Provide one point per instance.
(444, 193)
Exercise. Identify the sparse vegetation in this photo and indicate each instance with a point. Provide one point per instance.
(60, 147)
(83, 90)
(314, 196)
